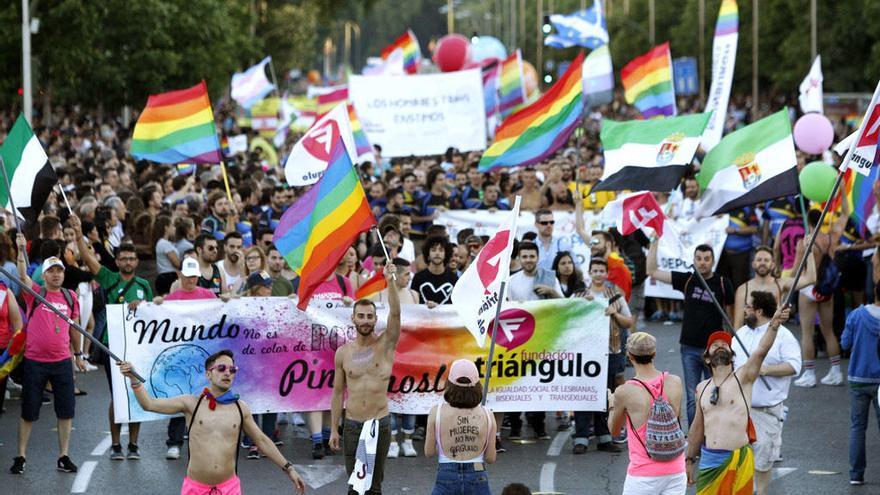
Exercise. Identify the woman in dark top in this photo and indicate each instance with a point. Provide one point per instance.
(570, 278)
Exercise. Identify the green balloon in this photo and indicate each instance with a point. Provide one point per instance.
(817, 180)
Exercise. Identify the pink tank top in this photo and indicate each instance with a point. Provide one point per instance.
(640, 464)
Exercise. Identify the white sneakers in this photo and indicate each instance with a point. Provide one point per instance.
(833, 378)
(173, 453)
(408, 449)
(807, 379)
(393, 450)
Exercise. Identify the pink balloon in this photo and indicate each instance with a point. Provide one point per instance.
(452, 52)
(813, 133)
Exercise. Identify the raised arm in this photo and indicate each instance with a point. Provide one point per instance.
(579, 216)
(21, 242)
(171, 405)
(392, 331)
(653, 271)
(739, 306)
(752, 367)
(809, 275)
(86, 253)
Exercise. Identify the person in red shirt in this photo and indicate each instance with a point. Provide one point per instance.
(10, 323)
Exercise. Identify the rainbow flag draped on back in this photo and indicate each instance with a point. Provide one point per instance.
(412, 53)
(858, 192)
(363, 148)
(533, 133)
(647, 83)
(177, 126)
(511, 84)
(317, 230)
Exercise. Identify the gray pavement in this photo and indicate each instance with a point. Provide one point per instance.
(815, 446)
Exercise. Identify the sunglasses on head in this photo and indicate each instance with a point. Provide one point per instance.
(547, 222)
(223, 367)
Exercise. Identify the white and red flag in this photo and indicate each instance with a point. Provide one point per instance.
(309, 157)
(635, 211)
(860, 147)
(477, 293)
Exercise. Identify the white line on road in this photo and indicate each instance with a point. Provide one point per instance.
(548, 473)
(102, 446)
(558, 442)
(81, 483)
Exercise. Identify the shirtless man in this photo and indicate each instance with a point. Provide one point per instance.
(719, 442)
(363, 367)
(215, 434)
(766, 280)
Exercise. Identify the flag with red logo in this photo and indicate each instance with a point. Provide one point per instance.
(477, 293)
(862, 144)
(309, 157)
(635, 211)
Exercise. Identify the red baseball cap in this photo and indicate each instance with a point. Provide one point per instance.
(719, 335)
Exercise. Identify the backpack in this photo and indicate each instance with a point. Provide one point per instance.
(664, 439)
(68, 298)
(827, 276)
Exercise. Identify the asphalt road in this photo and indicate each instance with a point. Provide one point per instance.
(815, 446)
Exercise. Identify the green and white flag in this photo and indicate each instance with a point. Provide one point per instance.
(649, 155)
(754, 164)
(31, 176)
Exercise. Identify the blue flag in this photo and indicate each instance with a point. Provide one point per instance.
(584, 28)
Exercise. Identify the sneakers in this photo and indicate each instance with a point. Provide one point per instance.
(856, 482)
(658, 316)
(620, 439)
(579, 449)
(327, 450)
(610, 447)
(298, 420)
(408, 449)
(542, 434)
(515, 434)
(173, 453)
(393, 450)
(807, 379)
(133, 453)
(317, 451)
(499, 447)
(253, 453)
(675, 316)
(419, 434)
(116, 453)
(18, 465)
(833, 378)
(65, 465)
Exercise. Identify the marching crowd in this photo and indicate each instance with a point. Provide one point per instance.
(143, 232)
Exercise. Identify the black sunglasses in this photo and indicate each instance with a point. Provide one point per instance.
(547, 222)
(222, 368)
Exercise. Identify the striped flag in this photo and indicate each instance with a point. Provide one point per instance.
(647, 83)
(251, 86)
(373, 285)
(409, 49)
(598, 77)
(511, 85)
(328, 101)
(490, 87)
(31, 176)
(363, 148)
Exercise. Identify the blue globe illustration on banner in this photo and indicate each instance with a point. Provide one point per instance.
(179, 370)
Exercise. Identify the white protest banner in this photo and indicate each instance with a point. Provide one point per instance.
(421, 114)
(671, 256)
(285, 356)
(723, 61)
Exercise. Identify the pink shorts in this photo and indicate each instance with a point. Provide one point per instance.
(232, 486)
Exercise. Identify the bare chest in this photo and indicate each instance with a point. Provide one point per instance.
(367, 363)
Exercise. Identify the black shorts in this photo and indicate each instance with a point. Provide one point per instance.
(853, 271)
(35, 375)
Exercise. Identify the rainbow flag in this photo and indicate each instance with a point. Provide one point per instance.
(317, 230)
(177, 126)
(533, 133)
(363, 148)
(328, 101)
(185, 168)
(412, 53)
(857, 189)
(511, 84)
(647, 83)
(728, 19)
(374, 285)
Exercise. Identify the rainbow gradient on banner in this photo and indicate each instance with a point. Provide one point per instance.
(728, 18)
(647, 83)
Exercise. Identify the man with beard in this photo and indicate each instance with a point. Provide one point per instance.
(782, 362)
(363, 369)
(719, 455)
(766, 280)
(120, 287)
(277, 205)
(220, 219)
(434, 284)
(548, 244)
(214, 437)
(231, 265)
(211, 277)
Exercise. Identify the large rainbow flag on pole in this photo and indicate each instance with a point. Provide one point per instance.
(511, 84)
(412, 53)
(317, 230)
(647, 83)
(177, 126)
(533, 133)
(857, 190)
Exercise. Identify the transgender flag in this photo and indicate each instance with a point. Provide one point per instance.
(490, 87)
(251, 86)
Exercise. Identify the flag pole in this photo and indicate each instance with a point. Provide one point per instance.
(492, 342)
(388, 260)
(12, 204)
(64, 195)
(64, 317)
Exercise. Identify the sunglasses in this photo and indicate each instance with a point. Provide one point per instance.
(547, 222)
(223, 367)
(210, 248)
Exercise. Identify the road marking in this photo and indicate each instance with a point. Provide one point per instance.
(102, 446)
(548, 473)
(318, 475)
(83, 476)
(558, 442)
(780, 472)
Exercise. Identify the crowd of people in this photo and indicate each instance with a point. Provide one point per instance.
(139, 232)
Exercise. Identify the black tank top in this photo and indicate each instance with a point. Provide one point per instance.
(214, 283)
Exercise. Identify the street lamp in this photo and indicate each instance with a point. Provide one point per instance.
(547, 27)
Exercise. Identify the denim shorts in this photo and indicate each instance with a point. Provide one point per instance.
(461, 479)
(35, 375)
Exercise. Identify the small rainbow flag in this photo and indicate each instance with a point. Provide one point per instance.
(177, 126)
(511, 86)
(317, 230)
(533, 133)
(857, 189)
(374, 285)
(647, 83)
(728, 19)
(363, 148)
(328, 101)
(412, 53)
(185, 168)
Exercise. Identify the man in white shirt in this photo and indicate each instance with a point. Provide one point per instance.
(783, 361)
(548, 244)
(532, 282)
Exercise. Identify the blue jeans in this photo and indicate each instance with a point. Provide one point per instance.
(860, 399)
(695, 371)
(460, 479)
(406, 422)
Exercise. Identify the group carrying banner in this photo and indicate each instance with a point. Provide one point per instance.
(550, 355)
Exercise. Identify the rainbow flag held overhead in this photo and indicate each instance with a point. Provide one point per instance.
(647, 83)
(177, 126)
(317, 230)
(327, 101)
(185, 168)
(363, 148)
(533, 133)
(857, 189)
(372, 286)
(412, 53)
(511, 84)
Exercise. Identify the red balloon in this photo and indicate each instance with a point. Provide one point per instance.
(453, 51)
